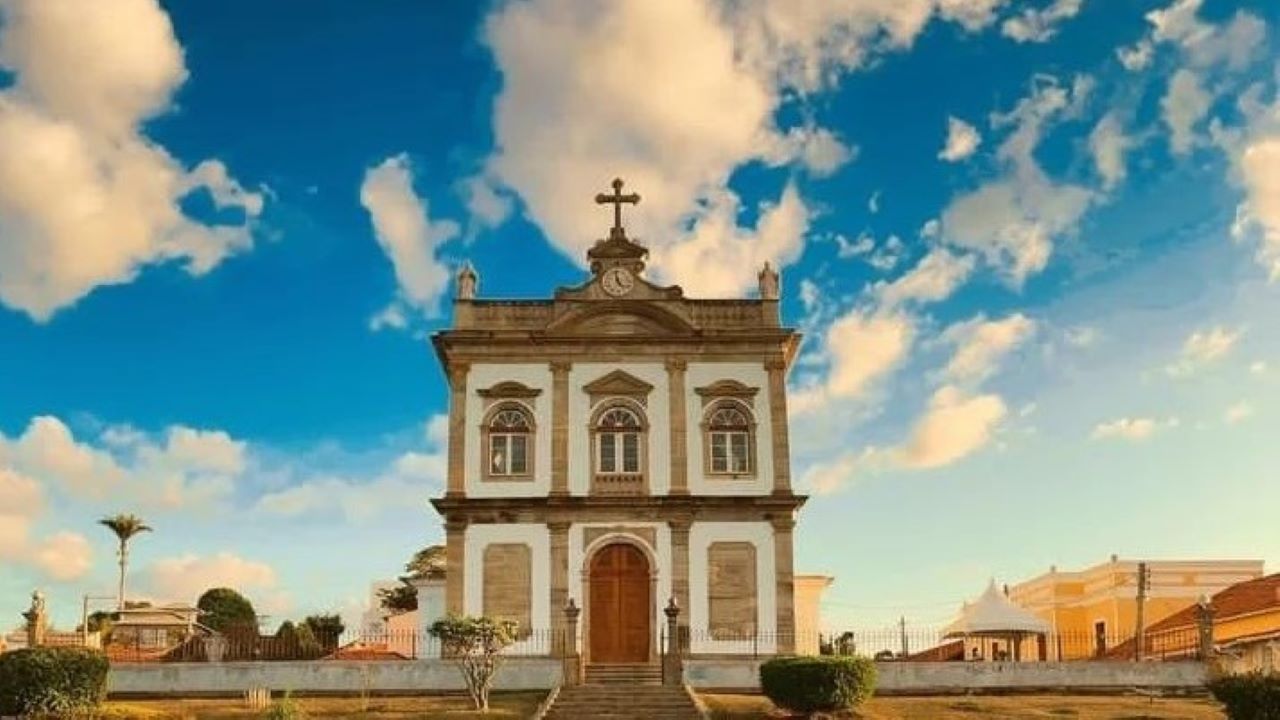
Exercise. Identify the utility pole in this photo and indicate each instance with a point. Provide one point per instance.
(902, 625)
(84, 616)
(1139, 638)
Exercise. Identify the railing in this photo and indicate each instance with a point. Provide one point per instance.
(618, 484)
(391, 646)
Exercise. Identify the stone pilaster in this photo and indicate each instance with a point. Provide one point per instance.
(786, 590)
(560, 430)
(679, 430)
(456, 473)
(455, 532)
(777, 369)
(559, 565)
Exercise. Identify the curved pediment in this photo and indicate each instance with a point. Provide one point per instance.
(621, 318)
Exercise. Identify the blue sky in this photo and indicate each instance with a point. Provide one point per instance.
(1033, 247)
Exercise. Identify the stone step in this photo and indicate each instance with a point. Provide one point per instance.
(613, 702)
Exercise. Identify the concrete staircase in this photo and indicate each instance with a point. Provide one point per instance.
(627, 674)
(623, 702)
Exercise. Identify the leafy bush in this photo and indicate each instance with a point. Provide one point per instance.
(818, 684)
(54, 681)
(1253, 696)
(286, 708)
(476, 643)
(226, 611)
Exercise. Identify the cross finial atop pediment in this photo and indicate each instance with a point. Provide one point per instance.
(617, 199)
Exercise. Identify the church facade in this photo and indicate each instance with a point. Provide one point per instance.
(620, 447)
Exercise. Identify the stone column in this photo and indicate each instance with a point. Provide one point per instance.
(680, 562)
(777, 369)
(457, 486)
(559, 573)
(785, 597)
(560, 429)
(455, 532)
(679, 432)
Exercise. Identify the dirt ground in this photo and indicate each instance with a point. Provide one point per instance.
(502, 706)
(1078, 707)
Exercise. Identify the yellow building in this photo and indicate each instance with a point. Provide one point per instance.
(1094, 609)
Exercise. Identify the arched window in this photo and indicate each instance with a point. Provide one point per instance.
(618, 434)
(510, 435)
(729, 443)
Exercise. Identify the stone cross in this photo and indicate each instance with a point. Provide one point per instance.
(616, 200)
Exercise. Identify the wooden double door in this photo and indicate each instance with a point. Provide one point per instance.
(619, 612)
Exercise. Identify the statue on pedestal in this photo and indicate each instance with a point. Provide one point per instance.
(37, 618)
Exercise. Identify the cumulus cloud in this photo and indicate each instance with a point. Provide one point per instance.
(64, 556)
(1183, 106)
(184, 578)
(1012, 221)
(1203, 348)
(85, 198)
(409, 237)
(1040, 24)
(864, 347)
(1260, 172)
(1136, 57)
(1108, 144)
(980, 344)
(1131, 429)
(724, 70)
(962, 140)
(934, 278)
(954, 426)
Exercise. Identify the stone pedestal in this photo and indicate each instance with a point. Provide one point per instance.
(672, 663)
(572, 674)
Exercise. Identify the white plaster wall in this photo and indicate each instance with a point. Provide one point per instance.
(760, 534)
(485, 375)
(657, 412)
(538, 538)
(753, 375)
(578, 570)
(431, 607)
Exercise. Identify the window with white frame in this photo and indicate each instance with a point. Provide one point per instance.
(729, 440)
(509, 441)
(618, 436)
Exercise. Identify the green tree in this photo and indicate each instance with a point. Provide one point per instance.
(476, 643)
(399, 599)
(125, 527)
(326, 628)
(227, 611)
(429, 562)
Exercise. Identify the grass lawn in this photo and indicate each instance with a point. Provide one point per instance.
(501, 705)
(1014, 707)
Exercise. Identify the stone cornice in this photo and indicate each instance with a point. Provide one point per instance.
(554, 508)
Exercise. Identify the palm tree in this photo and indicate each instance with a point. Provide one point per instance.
(125, 527)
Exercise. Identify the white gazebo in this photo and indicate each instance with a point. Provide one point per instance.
(993, 618)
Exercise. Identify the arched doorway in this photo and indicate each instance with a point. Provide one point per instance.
(619, 609)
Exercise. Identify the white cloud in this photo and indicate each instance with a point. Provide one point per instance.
(724, 69)
(934, 278)
(1260, 171)
(47, 451)
(1138, 57)
(962, 140)
(1184, 105)
(1234, 43)
(1108, 145)
(863, 348)
(1081, 336)
(64, 556)
(973, 15)
(873, 203)
(1131, 429)
(1040, 24)
(981, 344)
(408, 235)
(437, 430)
(85, 198)
(486, 205)
(1203, 348)
(1013, 220)
(825, 478)
(954, 426)
(861, 245)
(1238, 412)
(185, 578)
(1258, 367)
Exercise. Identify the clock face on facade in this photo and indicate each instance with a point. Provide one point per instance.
(617, 281)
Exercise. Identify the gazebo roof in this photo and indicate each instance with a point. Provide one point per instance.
(994, 614)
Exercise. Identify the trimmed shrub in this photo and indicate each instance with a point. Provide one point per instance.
(1252, 696)
(818, 684)
(51, 680)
